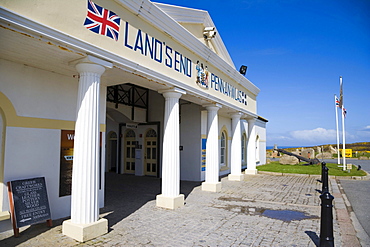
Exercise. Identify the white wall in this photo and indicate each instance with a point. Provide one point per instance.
(190, 139)
(260, 129)
(39, 93)
(35, 151)
(261, 132)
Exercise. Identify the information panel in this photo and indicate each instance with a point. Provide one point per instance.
(30, 201)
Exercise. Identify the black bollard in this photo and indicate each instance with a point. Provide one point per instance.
(326, 224)
(324, 178)
(323, 165)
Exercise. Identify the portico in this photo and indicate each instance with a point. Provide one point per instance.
(156, 100)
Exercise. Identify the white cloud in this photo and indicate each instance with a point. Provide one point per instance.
(318, 135)
(364, 133)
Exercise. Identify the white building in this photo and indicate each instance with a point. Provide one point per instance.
(155, 80)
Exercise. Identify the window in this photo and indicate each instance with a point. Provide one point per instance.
(244, 150)
(130, 133)
(223, 151)
(112, 136)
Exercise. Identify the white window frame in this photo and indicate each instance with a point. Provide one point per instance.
(223, 150)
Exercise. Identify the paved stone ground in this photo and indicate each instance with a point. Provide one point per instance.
(239, 215)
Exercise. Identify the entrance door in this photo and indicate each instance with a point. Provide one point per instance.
(150, 162)
(130, 144)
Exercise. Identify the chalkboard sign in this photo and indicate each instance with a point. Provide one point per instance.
(30, 200)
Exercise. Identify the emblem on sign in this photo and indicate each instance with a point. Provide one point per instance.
(202, 75)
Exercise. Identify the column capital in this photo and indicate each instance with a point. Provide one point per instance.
(237, 115)
(172, 92)
(90, 68)
(251, 120)
(214, 107)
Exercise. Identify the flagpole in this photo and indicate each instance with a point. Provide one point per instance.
(344, 140)
(337, 125)
(341, 105)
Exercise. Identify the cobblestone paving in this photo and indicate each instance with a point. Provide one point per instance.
(236, 216)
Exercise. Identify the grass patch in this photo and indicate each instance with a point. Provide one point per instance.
(334, 170)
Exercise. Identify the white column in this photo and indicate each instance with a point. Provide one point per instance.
(85, 223)
(170, 197)
(212, 151)
(236, 149)
(251, 148)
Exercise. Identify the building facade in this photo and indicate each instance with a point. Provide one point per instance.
(131, 87)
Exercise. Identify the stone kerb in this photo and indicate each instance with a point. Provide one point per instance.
(315, 175)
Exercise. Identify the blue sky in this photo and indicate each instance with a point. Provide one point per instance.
(295, 52)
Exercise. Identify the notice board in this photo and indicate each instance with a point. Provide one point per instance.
(30, 202)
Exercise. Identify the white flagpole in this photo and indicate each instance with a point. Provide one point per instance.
(336, 123)
(344, 140)
(341, 104)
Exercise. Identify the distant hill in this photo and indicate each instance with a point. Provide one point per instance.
(357, 146)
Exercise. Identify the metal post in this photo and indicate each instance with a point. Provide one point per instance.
(324, 178)
(326, 225)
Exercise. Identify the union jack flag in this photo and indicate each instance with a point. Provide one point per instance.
(344, 111)
(102, 21)
(337, 102)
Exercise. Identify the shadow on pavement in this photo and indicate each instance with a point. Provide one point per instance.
(315, 239)
(124, 194)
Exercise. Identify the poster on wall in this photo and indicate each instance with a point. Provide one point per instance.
(203, 166)
(66, 162)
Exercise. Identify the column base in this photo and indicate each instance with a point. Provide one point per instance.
(236, 177)
(213, 187)
(250, 172)
(170, 202)
(85, 232)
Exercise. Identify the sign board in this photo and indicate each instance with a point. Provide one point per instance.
(29, 201)
(347, 152)
(66, 162)
(131, 125)
(203, 164)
